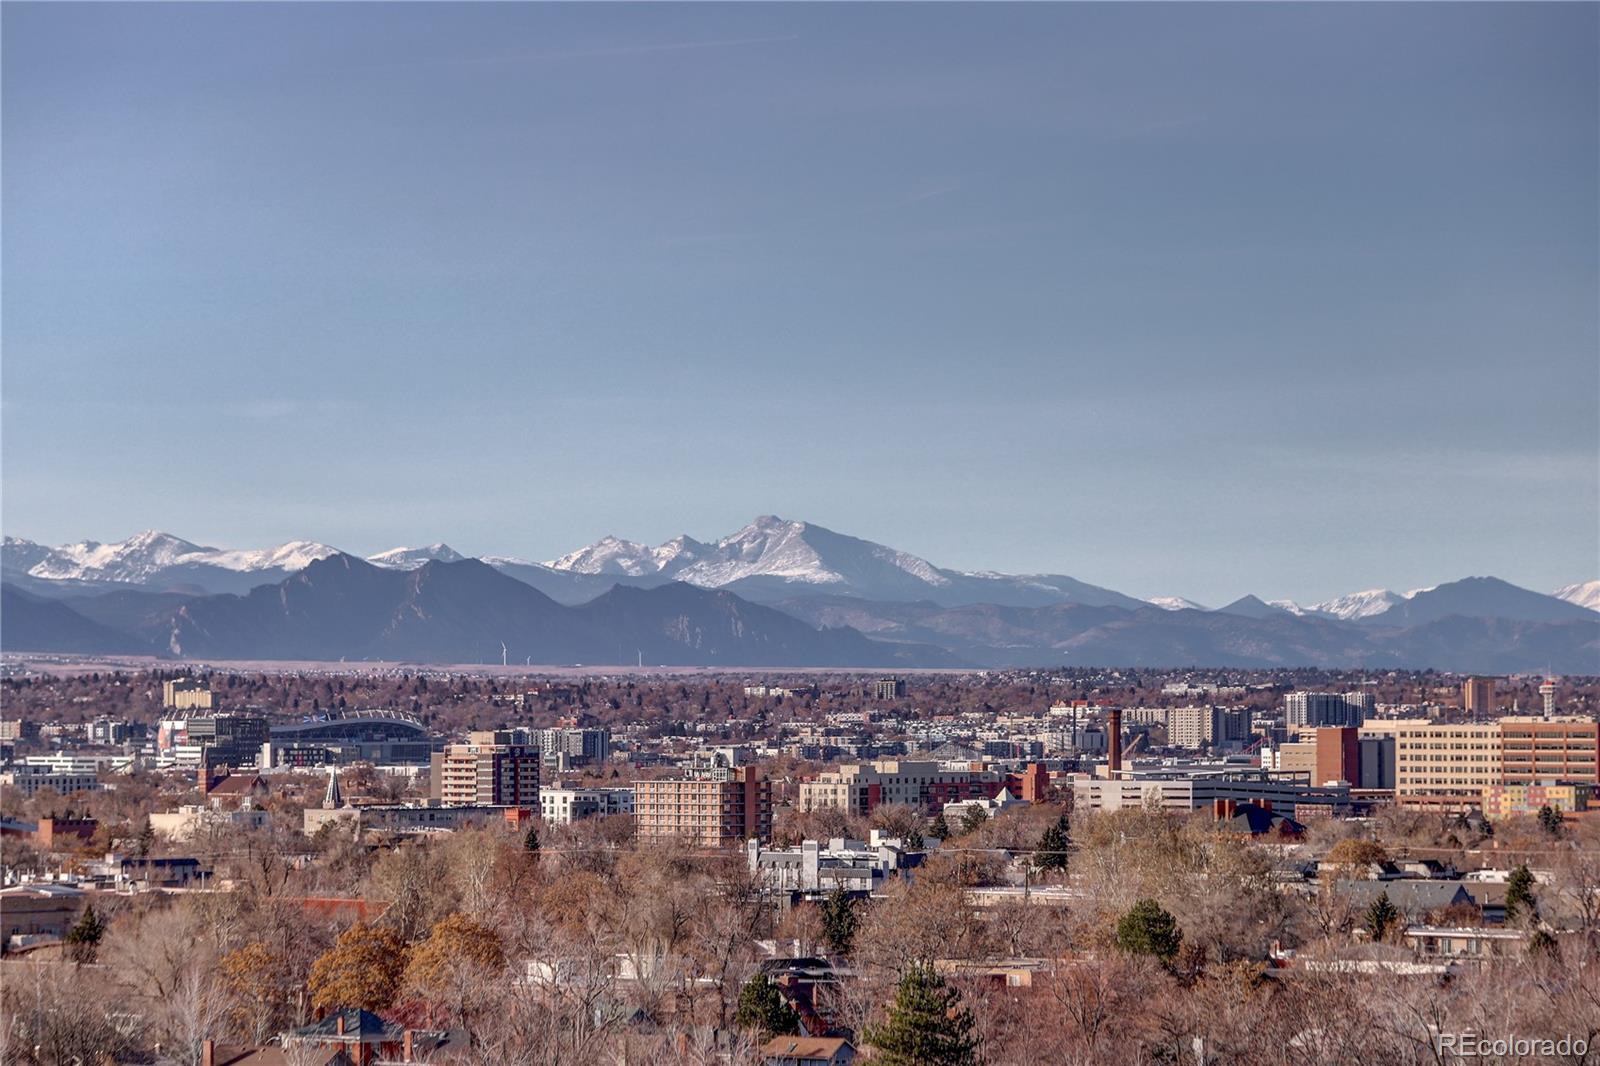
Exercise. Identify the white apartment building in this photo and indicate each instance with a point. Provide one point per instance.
(563, 806)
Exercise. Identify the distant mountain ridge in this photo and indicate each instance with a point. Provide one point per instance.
(160, 592)
(344, 608)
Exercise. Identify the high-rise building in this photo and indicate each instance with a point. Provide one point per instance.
(1315, 710)
(1444, 766)
(1550, 749)
(187, 694)
(1338, 756)
(1189, 727)
(487, 771)
(711, 808)
(232, 740)
(1201, 727)
(1477, 697)
(889, 688)
(563, 748)
(1377, 763)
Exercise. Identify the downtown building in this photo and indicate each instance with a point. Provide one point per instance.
(1313, 710)
(487, 771)
(563, 806)
(861, 788)
(711, 807)
(1453, 766)
(1207, 727)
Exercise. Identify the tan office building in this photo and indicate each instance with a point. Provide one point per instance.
(1443, 766)
(1477, 696)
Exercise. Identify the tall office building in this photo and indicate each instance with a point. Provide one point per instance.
(1317, 710)
(487, 771)
(1442, 766)
(889, 688)
(1202, 727)
(561, 748)
(1477, 697)
(711, 808)
(232, 740)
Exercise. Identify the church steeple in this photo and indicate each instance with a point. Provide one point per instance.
(331, 799)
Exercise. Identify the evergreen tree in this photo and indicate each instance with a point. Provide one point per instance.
(530, 843)
(762, 1007)
(939, 829)
(1380, 917)
(1148, 929)
(1550, 820)
(1541, 943)
(1519, 894)
(926, 1026)
(914, 841)
(839, 922)
(83, 939)
(1052, 851)
(147, 838)
(975, 819)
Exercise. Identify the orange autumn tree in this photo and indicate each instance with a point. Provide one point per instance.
(454, 967)
(364, 968)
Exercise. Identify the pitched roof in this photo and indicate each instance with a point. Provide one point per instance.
(359, 1026)
(1410, 896)
(236, 785)
(803, 1047)
(1258, 821)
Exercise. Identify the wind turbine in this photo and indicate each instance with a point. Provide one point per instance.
(502, 653)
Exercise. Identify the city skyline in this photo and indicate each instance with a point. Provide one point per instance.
(1182, 301)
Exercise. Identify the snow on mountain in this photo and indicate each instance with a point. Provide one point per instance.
(135, 559)
(148, 556)
(1292, 607)
(23, 555)
(1176, 603)
(769, 547)
(293, 556)
(413, 558)
(610, 555)
(1362, 604)
(1584, 594)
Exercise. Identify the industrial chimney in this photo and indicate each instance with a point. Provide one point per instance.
(1113, 741)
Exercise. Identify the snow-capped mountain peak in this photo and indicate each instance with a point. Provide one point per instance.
(799, 552)
(134, 559)
(413, 558)
(291, 556)
(1175, 603)
(150, 556)
(609, 555)
(1584, 594)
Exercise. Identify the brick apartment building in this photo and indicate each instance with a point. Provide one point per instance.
(861, 788)
(716, 807)
(487, 771)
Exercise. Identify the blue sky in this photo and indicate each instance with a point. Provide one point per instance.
(1200, 300)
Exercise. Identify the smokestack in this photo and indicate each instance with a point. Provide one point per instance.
(1114, 741)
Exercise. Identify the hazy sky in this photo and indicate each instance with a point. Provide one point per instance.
(1200, 300)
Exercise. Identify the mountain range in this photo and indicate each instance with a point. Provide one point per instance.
(778, 593)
